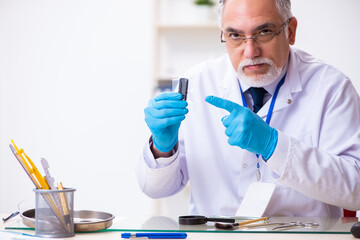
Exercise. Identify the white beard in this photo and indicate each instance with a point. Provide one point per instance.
(259, 80)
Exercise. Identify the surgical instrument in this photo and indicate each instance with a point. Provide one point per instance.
(296, 225)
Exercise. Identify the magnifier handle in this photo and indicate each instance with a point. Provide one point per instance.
(227, 220)
(226, 225)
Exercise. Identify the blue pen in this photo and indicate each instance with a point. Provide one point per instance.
(164, 235)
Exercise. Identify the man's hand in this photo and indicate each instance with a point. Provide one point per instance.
(163, 116)
(246, 129)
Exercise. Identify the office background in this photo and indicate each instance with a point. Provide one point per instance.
(75, 76)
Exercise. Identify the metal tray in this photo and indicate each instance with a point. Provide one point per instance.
(84, 220)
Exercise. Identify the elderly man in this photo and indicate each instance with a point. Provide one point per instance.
(265, 112)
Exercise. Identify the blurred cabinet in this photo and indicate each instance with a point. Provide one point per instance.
(185, 34)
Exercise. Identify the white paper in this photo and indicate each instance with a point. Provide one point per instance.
(256, 199)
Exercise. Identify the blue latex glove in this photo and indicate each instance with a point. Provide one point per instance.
(163, 116)
(246, 129)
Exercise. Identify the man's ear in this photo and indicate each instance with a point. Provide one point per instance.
(292, 30)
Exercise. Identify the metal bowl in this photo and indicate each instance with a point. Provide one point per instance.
(84, 220)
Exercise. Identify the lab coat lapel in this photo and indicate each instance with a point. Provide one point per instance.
(230, 87)
(291, 85)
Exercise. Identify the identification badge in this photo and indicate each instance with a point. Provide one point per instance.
(256, 199)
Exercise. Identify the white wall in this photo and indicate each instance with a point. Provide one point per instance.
(328, 30)
(74, 79)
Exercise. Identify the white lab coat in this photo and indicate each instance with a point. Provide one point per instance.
(315, 166)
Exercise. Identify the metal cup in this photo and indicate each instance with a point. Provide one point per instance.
(54, 213)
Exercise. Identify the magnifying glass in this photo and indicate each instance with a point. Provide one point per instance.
(196, 220)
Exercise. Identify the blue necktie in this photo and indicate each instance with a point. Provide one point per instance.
(257, 95)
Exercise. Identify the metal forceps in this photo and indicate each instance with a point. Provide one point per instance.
(297, 225)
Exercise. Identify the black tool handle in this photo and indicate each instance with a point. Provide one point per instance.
(183, 87)
(227, 220)
(11, 216)
(355, 230)
(226, 225)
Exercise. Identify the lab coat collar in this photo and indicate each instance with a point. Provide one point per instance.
(292, 84)
(230, 88)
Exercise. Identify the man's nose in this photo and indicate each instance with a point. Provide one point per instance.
(251, 49)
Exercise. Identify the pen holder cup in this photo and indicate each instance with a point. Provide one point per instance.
(54, 213)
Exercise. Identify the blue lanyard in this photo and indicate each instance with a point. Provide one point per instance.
(268, 116)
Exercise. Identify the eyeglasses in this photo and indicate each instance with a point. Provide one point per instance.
(234, 39)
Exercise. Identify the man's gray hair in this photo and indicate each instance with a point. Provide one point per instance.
(284, 7)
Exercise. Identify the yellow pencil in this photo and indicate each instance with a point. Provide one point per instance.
(252, 221)
(64, 206)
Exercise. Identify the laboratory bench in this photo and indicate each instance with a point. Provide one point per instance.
(329, 229)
